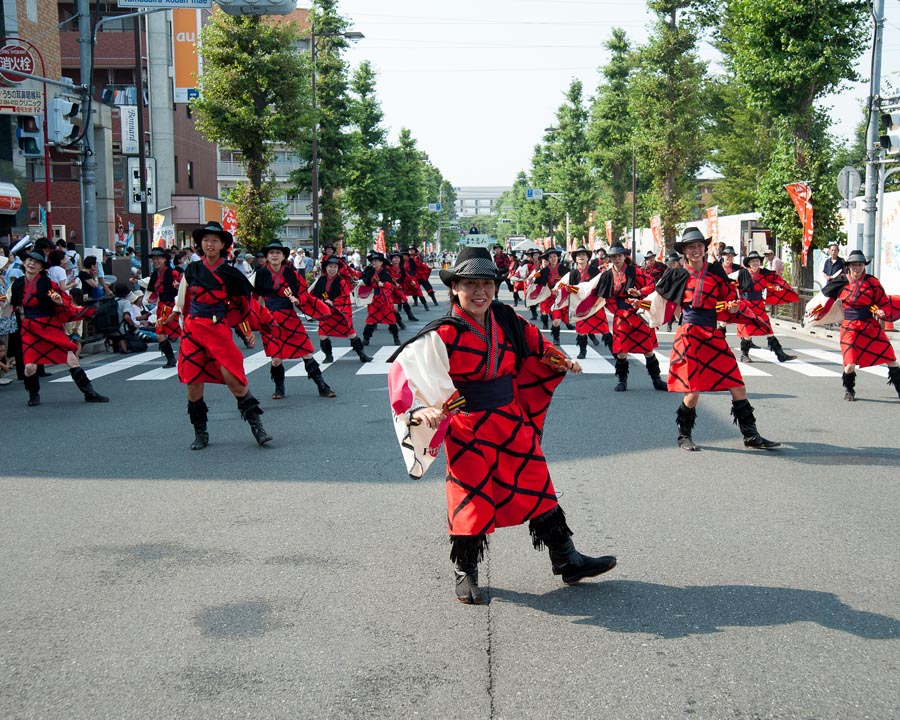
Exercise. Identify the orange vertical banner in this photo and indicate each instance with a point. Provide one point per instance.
(712, 223)
(801, 196)
(609, 232)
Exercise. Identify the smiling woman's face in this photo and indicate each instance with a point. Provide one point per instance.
(474, 294)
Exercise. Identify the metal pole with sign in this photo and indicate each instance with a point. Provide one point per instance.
(849, 181)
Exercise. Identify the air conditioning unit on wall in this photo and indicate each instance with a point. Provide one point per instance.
(58, 232)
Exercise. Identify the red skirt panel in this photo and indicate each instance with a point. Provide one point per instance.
(206, 348)
(44, 342)
(171, 328)
(701, 361)
(287, 339)
(411, 286)
(497, 475)
(340, 322)
(595, 324)
(381, 311)
(631, 334)
(761, 324)
(864, 343)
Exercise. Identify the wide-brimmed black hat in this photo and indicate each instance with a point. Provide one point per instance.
(411, 248)
(35, 255)
(277, 245)
(752, 255)
(394, 253)
(213, 228)
(333, 260)
(554, 250)
(854, 256)
(158, 252)
(375, 255)
(690, 235)
(471, 262)
(616, 249)
(533, 251)
(581, 249)
(329, 245)
(673, 257)
(728, 250)
(649, 254)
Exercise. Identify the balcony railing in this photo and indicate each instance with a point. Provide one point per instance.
(234, 168)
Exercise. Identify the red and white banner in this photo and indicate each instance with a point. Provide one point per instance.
(229, 219)
(801, 195)
(656, 229)
(592, 238)
(379, 243)
(712, 223)
(609, 232)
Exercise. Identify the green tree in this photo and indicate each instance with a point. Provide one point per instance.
(407, 197)
(366, 179)
(542, 217)
(610, 132)
(252, 94)
(667, 93)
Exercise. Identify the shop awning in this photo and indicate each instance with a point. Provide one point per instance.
(10, 199)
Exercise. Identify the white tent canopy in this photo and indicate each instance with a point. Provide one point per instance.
(526, 245)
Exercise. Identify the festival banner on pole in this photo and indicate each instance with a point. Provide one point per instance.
(379, 243)
(656, 229)
(609, 232)
(801, 196)
(592, 238)
(229, 219)
(712, 223)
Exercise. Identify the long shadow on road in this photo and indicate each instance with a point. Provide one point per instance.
(629, 606)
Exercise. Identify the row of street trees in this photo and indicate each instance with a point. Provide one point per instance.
(256, 92)
(659, 107)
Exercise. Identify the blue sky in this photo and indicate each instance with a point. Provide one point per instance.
(478, 81)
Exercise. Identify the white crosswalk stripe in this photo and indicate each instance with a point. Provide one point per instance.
(379, 365)
(835, 357)
(799, 366)
(129, 361)
(158, 374)
(593, 364)
(299, 369)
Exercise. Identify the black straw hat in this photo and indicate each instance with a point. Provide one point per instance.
(158, 252)
(690, 235)
(35, 255)
(375, 255)
(212, 228)
(752, 255)
(471, 262)
(857, 256)
(617, 249)
(277, 245)
(581, 249)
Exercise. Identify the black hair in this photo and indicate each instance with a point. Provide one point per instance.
(89, 261)
(55, 257)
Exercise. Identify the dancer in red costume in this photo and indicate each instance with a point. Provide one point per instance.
(652, 269)
(332, 287)
(550, 275)
(423, 273)
(45, 307)
(529, 265)
(498, 368)
(620, 285)
(381, 309)
(701, 360)
(759, 287)
(398, 271)
(163, 287)
(284, 292)
(596, 324)
(863, 341)
(411, 286)
(216, 297)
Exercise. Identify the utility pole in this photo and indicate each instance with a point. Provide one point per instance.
(873, 148)
(88, 163)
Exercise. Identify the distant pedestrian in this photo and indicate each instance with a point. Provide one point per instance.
(834, 265)
(773, 263)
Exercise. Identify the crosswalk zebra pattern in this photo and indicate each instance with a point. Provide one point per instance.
(811, 362)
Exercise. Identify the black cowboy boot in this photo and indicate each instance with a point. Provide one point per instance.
(409, 315)
(465, 552)
(745, 351)
(685, 418)
(357, 346)
(581, 342)
(622, 374)
(551, 530)
(166, 348)
(849, 380)
(742, 411)
(654, 372)
(368, 331)
(776, 348)
(594, 339)
(894, 378)
(33, 386)
(276, 372)
(197, 411)
(81, 380)
(433, 298)
(325, 346)
(516, 298)
(251, 412)
(608, 340)
(425, 305)
(545, 321)
(534, 313)
(398, 320)
(395, 333)
(315, 374)
(554, 333)
(416, 300)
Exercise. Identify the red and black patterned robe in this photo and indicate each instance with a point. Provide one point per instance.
(654, 273)
(286, 336)
(701, 360)
(630, 333)
(44, 341)
(863, 341)
(550, 276)
(339, 322)
(398, 275)
(163, 288)
(381, 309)
(596, 323)
(411, 285)
(497, 475)
(217, 298)
(752, 287)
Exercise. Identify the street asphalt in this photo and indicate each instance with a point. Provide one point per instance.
(310, 578)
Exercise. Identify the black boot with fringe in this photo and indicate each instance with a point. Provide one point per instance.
(466, 551)
(550, 530)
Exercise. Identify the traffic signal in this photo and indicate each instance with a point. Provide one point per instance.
(61, 130)
(30, 134)
(889, 138)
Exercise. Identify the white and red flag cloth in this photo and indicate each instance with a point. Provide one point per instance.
(656, 229)
(229, 219)
(609, 232)
(712, 223)
(801, 195)
(379, 243)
